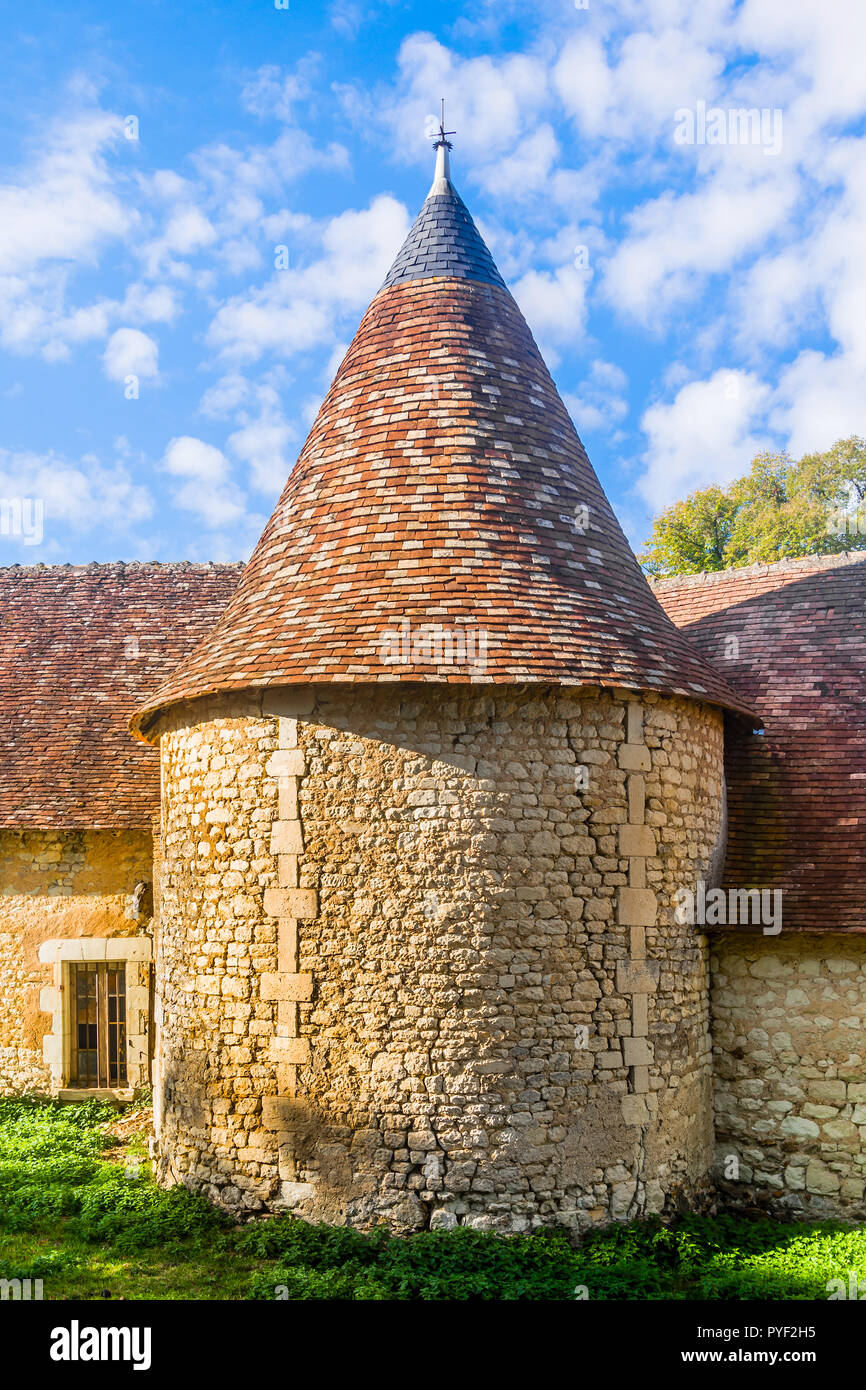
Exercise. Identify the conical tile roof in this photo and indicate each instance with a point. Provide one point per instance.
(443, 521)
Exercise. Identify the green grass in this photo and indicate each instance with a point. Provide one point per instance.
(73, 1213)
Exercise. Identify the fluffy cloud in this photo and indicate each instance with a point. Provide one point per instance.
(600, 402)
(206, 487)
(129, 352)
(69, 175)
(84, 498)
(706, 434)
(298, 309)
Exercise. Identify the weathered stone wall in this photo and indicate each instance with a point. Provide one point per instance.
(55, 885)
(789, 1034)
(409, 962)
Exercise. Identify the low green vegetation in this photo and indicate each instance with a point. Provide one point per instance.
(79, 1210)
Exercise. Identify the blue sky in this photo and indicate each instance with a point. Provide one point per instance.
(694, 279)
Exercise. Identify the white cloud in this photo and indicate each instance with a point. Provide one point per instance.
(675, 243)
(264, 446)
(63, 206)
(553, 303)
(707, 434)
(129, 352)
(272, 92)
(599, 403)
(207, 488)
(83, 497)
(298, 309)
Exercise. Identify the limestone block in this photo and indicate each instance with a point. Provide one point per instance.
(637, 976)
(300, 903)
(798, 1128)
(287, 837)
(286, 762)
(293, 1050)
(635, 1110)
(639, 1015)
(281, 1114)
(636, 907)
(634, 757)
(607, 1060)
(636, 799)
(634, 722)
(286, 986)
(289, 702)
(638, 1052)
(636, 839)
(293, 1194)
(821, 1180)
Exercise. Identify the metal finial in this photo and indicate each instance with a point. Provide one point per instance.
(442, 137)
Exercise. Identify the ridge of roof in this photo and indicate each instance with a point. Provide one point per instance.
(790, 563)
(117, 566)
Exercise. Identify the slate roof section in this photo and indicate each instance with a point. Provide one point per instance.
(796, 637)
(443, 490)
(80, 647)
(444, 240)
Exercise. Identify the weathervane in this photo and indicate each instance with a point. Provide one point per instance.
(442, 138)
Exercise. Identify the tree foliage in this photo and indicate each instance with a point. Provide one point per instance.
(781, 508)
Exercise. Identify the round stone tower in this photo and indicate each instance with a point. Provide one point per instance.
(429, 790)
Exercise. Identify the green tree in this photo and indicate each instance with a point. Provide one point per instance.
(781, 508)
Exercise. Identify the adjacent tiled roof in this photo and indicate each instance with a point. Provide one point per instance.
(440, 487)
(80, 647)
(791, 638)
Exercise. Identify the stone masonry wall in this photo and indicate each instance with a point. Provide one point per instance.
(789, 1018)
(408, 955)
(55, 885)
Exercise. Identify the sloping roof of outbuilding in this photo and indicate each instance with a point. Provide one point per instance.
(80, 647)
(791, 638)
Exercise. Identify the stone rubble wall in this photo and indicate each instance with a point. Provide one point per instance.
(55, 884)
(789, 1033)
(411, 971)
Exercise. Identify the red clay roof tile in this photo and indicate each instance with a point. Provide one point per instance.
(796, 637)
(80, 647)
